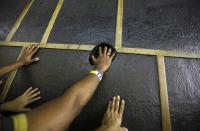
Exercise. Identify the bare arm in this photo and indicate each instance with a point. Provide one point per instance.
(7, 69)
(83, 90)
(25, 59)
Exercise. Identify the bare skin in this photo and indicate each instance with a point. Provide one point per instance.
(112, 119)
(31, 95)
(26, 58)
(58, 114)
(20, 103)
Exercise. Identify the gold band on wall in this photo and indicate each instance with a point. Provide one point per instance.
(19, 20)
(119, 24)
(137, 51)
(166, 122)
(51, 23)
(12, 75)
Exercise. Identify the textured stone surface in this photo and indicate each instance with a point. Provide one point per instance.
(35, 22)
(162, 24)
(85, 21)
(183, 87)
(8, 55)
(9, 12)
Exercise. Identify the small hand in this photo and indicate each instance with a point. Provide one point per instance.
(20, 103)
(104, 60)
(27, 54)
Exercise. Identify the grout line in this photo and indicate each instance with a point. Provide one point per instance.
(166, 122)
(119, 24)
(19, 20)
(51, 23)
(137, 51)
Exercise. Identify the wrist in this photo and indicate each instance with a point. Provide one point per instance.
(99, 69)
(20, 63)
(98, 73)
(4, 107)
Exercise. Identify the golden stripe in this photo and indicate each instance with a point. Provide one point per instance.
(51, 23)
(19, 20)
(167, 53)
(166, 122)
(9, 83)
(119, 24)
(139, 51)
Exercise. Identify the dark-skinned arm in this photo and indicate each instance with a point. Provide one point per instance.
(82, 91)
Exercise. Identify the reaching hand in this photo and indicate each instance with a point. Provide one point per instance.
(27, 54)
(104, 60)
(20, 103)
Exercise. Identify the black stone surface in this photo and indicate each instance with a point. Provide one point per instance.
(85, 22)
(9, 12)
(8, 55)
(136, 81)
(35, 22)
(162, 24)
(183, 87)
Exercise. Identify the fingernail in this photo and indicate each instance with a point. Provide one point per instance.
(37, 59)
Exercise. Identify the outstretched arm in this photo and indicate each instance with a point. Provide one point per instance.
(83, 90)
(25, 59)
(62, 111)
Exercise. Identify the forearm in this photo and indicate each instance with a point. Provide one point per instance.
(7, 69)
(83, 90)
(6, 107)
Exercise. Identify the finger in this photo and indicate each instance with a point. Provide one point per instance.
(35, 50)
(34, 99)
(109, 51)
(100, 51)
(121, 109)
(35, 60)
(93, 58)
(34, 95)
(124, 129)
(24, 48)
(105, 50)
(32, 91)
(113, 104)
(26, 92)
(1, 82)
(31, 48)
(28, 47)
(109, 106)
(117, 101)
(112, 56)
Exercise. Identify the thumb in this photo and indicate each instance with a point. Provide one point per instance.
(35, 59)
(93, 58)
(1, 82)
